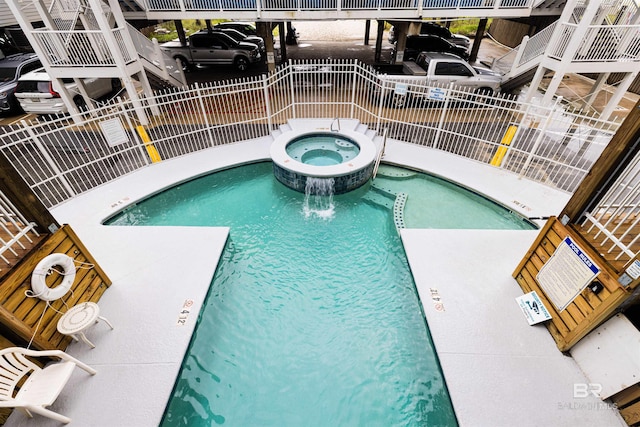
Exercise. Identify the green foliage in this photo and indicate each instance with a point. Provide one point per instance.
(466, 27)
(190, 26)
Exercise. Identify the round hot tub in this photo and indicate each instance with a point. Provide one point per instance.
(345, 157)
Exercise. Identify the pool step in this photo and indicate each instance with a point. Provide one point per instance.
(395, 173)
(387, 198)
(362, 128)
(379, 188)
(281, 129)
(378, 199)
(398, 210)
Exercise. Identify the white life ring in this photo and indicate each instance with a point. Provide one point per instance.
(43, 269)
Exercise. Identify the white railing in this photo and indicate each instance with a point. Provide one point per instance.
(536, 45)
(84, 48)
(80, 48)
(600, 43)
(155, 60)
(531, 50)
(476, 4)
(15, 229)
(59, 159)
(323, 5)
(615, 220)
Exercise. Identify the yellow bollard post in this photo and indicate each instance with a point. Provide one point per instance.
(151, 149)
(504, 145)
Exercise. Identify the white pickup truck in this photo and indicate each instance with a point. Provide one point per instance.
(433, 69)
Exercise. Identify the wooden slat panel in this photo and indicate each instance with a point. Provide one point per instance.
(631, 414)
(627, 396)
(17, 276)
(31, 317)
(587, 310)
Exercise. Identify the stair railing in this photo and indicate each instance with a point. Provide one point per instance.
(380, 155)
(337, 119)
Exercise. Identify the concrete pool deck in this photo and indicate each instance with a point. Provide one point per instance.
(499, 370)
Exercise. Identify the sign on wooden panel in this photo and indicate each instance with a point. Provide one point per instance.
(564, 276)
(533, 308)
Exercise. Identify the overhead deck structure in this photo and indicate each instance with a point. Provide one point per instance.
(75, 41)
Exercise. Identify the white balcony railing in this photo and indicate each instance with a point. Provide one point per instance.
(80, 48)
(601, 43)
(90, 49)
(324, 5)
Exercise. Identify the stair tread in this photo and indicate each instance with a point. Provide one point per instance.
(378, 199)
(384, 191)
(389, 172)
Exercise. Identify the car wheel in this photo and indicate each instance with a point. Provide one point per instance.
(397, 101)
(80, 103)
(116, 84)
(241, 63)
(186, 67)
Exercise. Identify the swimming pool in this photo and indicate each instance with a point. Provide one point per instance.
(309, 321)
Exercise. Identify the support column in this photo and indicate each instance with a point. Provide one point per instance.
(597, 86)
(127, 71)
(283, 44)
(535, 83)
(379, 35)
(621, 90)
(264, 31)
(554, 84)
(477, 40)
(367, 30)
(291, 38)
(402, 29)
(180, 30)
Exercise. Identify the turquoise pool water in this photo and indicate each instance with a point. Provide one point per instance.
(322, 150)
(311, 320)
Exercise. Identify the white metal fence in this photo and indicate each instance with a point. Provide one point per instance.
(60, 159)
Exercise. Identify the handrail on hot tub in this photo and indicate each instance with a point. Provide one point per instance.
(337, 119)
(379, 158)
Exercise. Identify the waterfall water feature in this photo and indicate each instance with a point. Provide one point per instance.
(318, 198)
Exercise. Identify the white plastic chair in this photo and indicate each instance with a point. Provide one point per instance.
(42, 385)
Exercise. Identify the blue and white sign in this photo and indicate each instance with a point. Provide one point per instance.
(533, 308)
(400, 89)
(634, 269)
(565, 275)
(437, 94)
